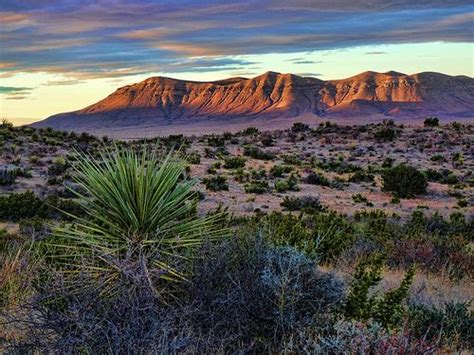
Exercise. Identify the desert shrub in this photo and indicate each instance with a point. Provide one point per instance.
(267, 140)
(82, 320)
(322, 235)
(308, 204)
(289, 184)
(388, 309)
(340, 167)
(136, 204)
(58, 166)
(316, 179)
(404, 181)
(7, 177)
(386, 134)
(20, 205)
(216, 141)
(291, 159)
(250, 131)
(243, 294)
(437, 157)
(361, 176)
(278, 170)
(443, 176)
(193, 158)
(299, 127)
(451, 325)
(431, 122)
(254, 295)
(357, 338)
(256, 187)
(358, 198)
(216, 183)
(234, 162)
(258, 153)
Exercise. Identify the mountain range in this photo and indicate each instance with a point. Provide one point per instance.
(159, 102)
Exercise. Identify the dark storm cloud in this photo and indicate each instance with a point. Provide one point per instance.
(105, 38)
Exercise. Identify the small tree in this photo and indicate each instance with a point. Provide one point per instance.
(404, 181)
(386, 309)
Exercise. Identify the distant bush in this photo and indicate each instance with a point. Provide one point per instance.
(249, 131)
(258, 153)
(361, 176)
(289, 184)
(299, 127)
(404, 181)
(193, 158)
(308, 204)
(431, 122)
(256, 187)
(216, 183)
(7, 177)
(278, 170)
(386, 134)
(316, 179)
(58, 166)
(234, 162)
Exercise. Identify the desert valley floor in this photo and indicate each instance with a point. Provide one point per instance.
(254, 171)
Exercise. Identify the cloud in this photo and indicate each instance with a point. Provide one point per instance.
(112, 38)
(11, 90)
(62, 82)
(307, 61)
(309, 74)
(14, 92)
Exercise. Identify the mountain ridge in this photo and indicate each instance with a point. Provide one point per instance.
(158, 100)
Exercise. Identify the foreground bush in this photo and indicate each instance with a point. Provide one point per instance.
(404, 181)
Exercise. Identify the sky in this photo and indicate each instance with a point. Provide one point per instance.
(59, 56)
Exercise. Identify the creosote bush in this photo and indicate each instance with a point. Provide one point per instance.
(404, 181)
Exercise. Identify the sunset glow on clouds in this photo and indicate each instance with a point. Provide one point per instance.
(59, 56)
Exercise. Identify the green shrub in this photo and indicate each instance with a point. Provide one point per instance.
(404, 181)
(316, 179)
(431, 122)
(451, 325)
(58, 166)
(278, 170)
(299, 127)
(320, 235)
(7, 177)
(388, 309)
(216, 183)
(289, 184)
(386, 134)
(18, 206)
(361, 176)
(258, 153)
(256, 187)
(234, 162)
(308, 204)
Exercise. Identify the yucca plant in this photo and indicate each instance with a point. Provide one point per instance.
(140, 211)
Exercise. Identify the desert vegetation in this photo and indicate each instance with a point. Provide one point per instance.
(309, 240)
